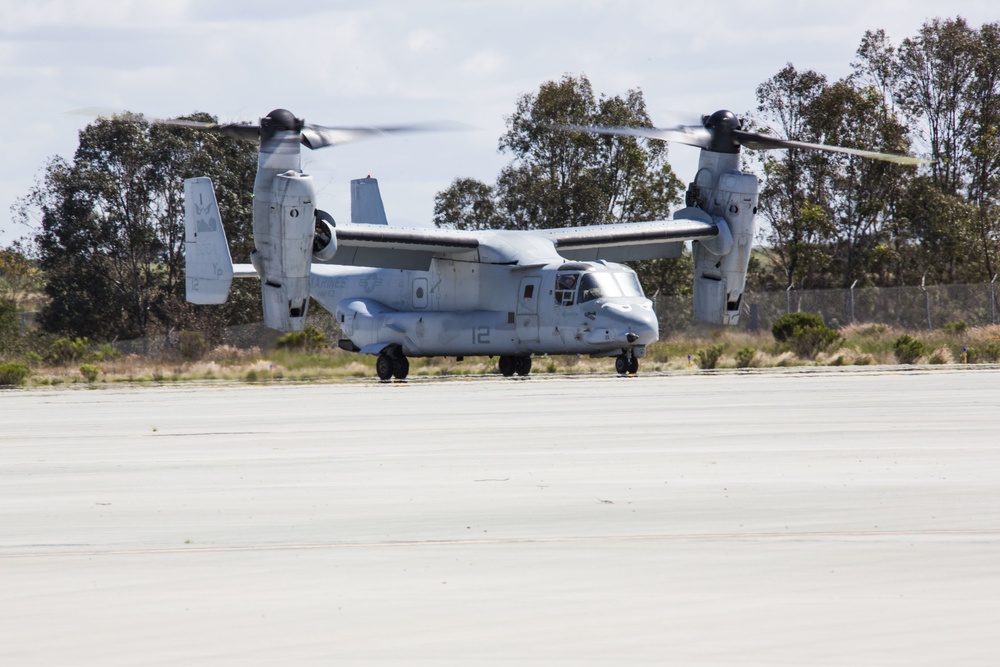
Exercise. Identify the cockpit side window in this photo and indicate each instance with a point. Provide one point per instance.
(566, 288)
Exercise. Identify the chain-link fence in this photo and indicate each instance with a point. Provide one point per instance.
(900, 307)
(243, 336)
(910, 308)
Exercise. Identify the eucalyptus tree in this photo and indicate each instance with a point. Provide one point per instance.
(564, 179)
(111, 224)
(797, 226)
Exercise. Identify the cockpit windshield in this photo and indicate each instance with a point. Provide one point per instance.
(630, 284)
(608, 285)
(583, 283)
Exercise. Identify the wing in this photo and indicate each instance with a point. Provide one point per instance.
(629, 241)
(387, 247)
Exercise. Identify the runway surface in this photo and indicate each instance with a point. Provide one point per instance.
(763, 519)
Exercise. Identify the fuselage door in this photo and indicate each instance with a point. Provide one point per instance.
(528, 296)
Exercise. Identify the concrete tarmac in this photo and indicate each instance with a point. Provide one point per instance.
(800, 518)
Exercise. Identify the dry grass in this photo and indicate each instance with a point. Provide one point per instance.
(860, 345)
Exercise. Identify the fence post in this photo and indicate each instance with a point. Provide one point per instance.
(788, 299)
(927, 301)
(852, 301)
(993, 301)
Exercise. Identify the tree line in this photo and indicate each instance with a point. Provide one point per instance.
(109, 243)
(108, 250)
(834, 219)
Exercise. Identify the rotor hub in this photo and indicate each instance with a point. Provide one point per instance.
(280, 120)
(722, 124)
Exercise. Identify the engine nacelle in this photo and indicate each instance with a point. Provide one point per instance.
(720, 264)
(285, 251)
(324, 237)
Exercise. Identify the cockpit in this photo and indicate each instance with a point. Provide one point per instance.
(577, 282)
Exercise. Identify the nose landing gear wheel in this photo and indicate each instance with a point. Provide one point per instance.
(626, 364)
(621, 364)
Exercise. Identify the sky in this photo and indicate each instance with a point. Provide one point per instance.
(389, 62)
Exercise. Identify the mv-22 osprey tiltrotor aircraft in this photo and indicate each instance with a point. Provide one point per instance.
(419, 292)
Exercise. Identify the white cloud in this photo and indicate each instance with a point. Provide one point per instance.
(391, 61)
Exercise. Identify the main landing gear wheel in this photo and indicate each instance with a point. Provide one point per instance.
(626, 364)
(510, 365)
(389, 366)
(522, 365)
(383, 367)
(400, 367)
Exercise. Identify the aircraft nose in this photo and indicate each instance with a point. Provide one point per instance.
(634, 324)
(643, 326)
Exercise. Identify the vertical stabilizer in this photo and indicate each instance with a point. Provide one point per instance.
(208, 271)
(366, 202)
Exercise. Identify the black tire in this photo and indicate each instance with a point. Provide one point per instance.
(400, 367)
(383, 367)
(621, 364)
(633, 364)
(522, 365)
(507, 366)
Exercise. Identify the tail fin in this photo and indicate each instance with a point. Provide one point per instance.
(208, 264)
(366, 202)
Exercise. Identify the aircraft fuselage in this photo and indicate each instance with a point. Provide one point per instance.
(459, 308)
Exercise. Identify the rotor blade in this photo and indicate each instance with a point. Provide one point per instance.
(690, 135)
(235, 130)
(319, 136)
(94, 112)
(758, 141)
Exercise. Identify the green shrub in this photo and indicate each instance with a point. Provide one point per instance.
(745, 357)
(940, 356)
(805, 333)
(106, 352)
(991, 353)
(309, 339)
(956, 327)
(66, 351)
(191, 345)
(708, 357)
(13, 374)
(907, 349)
(784, 328)
(89, 372)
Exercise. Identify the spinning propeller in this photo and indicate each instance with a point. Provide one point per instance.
(313, 136)
(722, 133)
